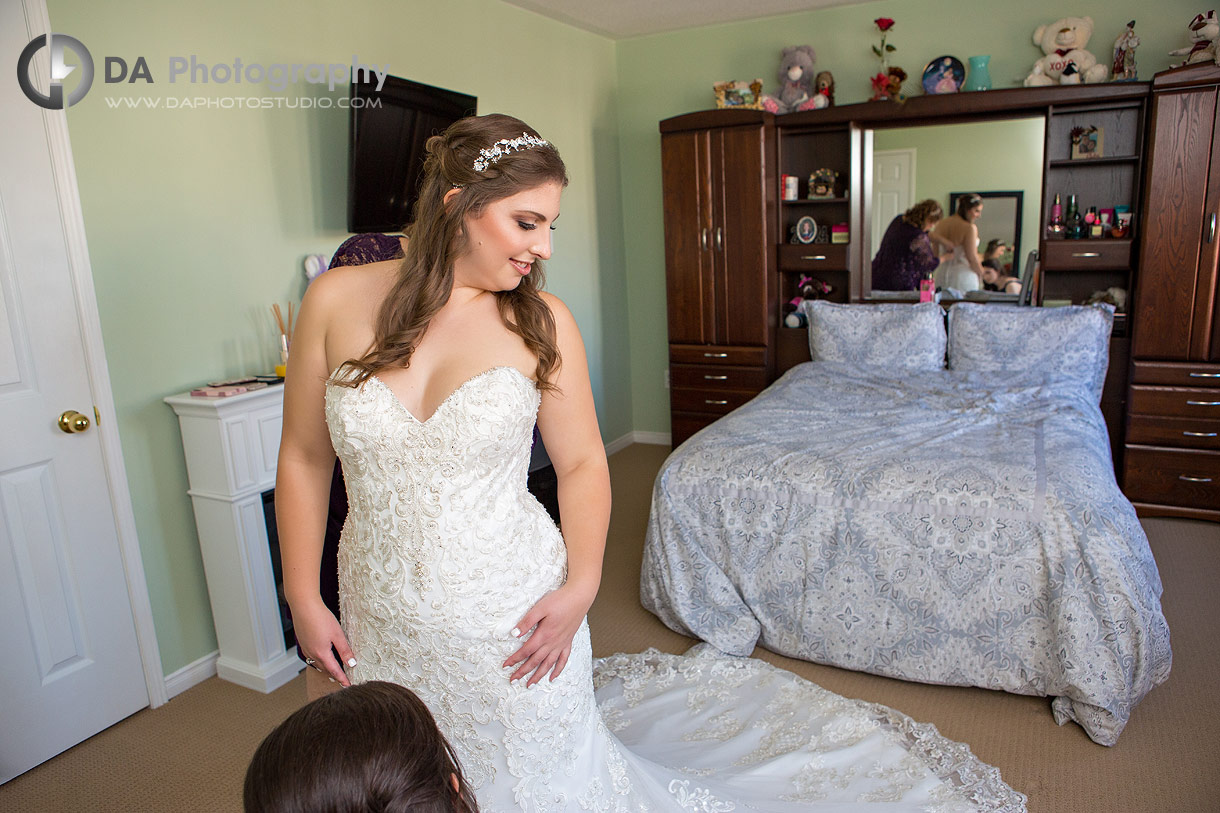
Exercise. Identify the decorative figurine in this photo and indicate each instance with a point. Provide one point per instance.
(824, 90)
(1124, 55)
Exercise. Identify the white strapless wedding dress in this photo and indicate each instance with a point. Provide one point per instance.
(956, 272)
(444, 550)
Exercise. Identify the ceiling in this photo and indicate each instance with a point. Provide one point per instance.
(631, 18)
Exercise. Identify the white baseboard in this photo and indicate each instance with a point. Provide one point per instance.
(192, 674)
(650, 438)
(653, 438)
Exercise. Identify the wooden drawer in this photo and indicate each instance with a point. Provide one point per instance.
(718, 377)
(813, 257)
(1175, 374)
(714, 402)
(717, 354)
(1172, 477)
(1156, 431)
(1175, 402)
(1086, 255)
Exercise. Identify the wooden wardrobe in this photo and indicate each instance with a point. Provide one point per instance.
(1172, 461)
(719, 275)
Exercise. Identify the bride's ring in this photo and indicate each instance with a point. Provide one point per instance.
(312, 662)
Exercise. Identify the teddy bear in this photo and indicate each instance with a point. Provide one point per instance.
(1204, 33)
(795, 80)
(1063, 43)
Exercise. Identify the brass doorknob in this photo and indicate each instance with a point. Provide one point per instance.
(72, 422)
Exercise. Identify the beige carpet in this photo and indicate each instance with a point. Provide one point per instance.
(190, 755)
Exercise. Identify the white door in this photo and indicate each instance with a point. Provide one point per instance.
(72, 663)
(893, 189)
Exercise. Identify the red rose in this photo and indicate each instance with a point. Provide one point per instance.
(884, 23)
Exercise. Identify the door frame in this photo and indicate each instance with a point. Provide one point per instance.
(81, 274)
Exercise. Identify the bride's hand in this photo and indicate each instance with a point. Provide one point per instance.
(318, 630)
(555, 619)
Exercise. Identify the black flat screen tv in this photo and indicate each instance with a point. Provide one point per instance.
(388, 131)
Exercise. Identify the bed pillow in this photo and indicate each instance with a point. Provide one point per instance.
(1072, 341)
(897, 336)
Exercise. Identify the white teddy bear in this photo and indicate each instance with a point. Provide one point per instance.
(1204, 34)
(1066, 61)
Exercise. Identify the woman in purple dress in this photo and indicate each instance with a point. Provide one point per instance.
(906, 255)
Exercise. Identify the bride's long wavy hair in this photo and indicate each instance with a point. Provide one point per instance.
(438, 238)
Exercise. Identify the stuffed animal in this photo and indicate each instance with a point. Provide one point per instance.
(795, 80)
(1204, 32)
(824, 90)
(1063, 43)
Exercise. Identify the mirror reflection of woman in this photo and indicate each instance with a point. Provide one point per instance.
(962, 271)
(906, 254)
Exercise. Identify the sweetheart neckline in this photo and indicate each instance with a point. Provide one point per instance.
(451, 395)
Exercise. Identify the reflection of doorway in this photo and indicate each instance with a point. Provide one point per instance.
(893, 188)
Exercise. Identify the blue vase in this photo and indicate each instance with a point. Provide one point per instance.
(979, 76)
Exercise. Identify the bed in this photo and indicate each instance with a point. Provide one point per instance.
(877, 511)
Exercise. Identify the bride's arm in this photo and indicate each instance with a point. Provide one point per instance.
(567, 422)
(302, 484)
(971, 247)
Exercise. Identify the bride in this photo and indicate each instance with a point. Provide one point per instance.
(426, 376)
(959, 233)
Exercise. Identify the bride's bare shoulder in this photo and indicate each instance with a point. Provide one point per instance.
(346, 285)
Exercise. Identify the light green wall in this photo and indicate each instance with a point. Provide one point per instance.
(198, 220)
(985, 156)
(665, 75)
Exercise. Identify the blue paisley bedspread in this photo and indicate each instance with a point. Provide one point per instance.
(944, 527)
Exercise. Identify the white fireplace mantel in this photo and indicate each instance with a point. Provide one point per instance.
(231, 447)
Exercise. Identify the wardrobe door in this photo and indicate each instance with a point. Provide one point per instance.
(686, 175)
(1174, 222)
(740, 235)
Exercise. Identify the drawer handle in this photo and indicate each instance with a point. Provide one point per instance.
(714, 403)
(813, 256)
(1211, 228)
(1190, 479)
(1086, 254)
(703, 239)
(715, 378)
(1205, 375)
(715, 355)
(1199, 434)
(1203, 403)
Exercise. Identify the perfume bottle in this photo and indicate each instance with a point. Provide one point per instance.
(1054, 229)
(1074, 224)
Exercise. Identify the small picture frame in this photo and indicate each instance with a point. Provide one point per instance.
(822, 183)
(741, 95)
(806, 230)
(1088, 142)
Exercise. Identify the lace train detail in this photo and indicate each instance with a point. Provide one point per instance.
(444, 549)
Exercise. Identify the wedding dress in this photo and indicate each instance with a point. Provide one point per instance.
(955, 272)
(444, 550)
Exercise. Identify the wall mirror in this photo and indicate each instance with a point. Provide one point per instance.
(1000, 220)
(999, 159)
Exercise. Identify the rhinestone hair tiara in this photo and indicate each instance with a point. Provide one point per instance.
(505, 146)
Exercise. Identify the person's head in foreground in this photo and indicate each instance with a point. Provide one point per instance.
(370, 748)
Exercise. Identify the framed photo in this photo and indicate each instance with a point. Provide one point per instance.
(806, 229)
(740, 94)
(1088, 142)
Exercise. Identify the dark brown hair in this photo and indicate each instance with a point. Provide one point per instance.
(967, 202)
(370, 748)
(438, 237)
(924, 211)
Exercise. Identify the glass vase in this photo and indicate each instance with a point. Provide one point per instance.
(979, 75)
